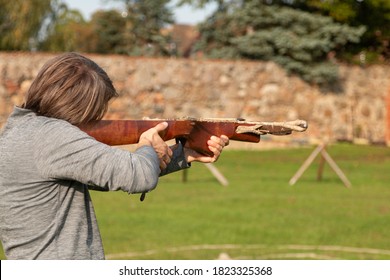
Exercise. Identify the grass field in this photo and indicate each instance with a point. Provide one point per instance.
(259, 215)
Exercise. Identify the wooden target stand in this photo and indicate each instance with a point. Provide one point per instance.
(325, 157)
(321, 149)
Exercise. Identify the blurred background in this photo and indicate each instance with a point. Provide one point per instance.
(324, 61)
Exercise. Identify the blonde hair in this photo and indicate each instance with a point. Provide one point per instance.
(70, 87)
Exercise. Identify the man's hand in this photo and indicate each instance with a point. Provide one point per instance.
(152, 137)
(215, 144)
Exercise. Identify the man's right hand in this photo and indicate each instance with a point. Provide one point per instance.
(152, 137)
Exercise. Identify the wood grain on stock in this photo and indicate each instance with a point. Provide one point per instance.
(125, 132)
(196, 133)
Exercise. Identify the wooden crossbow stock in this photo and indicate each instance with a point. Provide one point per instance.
(191, 131)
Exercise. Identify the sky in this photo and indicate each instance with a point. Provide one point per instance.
(183, 15)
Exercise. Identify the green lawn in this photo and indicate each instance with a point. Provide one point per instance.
(259, 215)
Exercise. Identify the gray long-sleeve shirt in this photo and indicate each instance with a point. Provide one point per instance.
(46, 168)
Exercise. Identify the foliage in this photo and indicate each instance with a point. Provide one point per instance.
(68, 32)
(144, 22)
(49, 25)
(108, 28)
(299, 41)
(22, 22)
(134, 32)
(373, 14)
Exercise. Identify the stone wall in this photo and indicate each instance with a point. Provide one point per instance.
(168, 88)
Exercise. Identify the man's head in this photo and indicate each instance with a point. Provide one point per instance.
(70, 87)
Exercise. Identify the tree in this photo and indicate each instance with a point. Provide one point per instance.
(373, 14)
(22, 22)
(109, 28)
(104, 33)
(68, 32)
(299, 41)
(374, 44)
(144, 21)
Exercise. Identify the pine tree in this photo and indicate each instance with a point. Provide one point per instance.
(297, 40)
